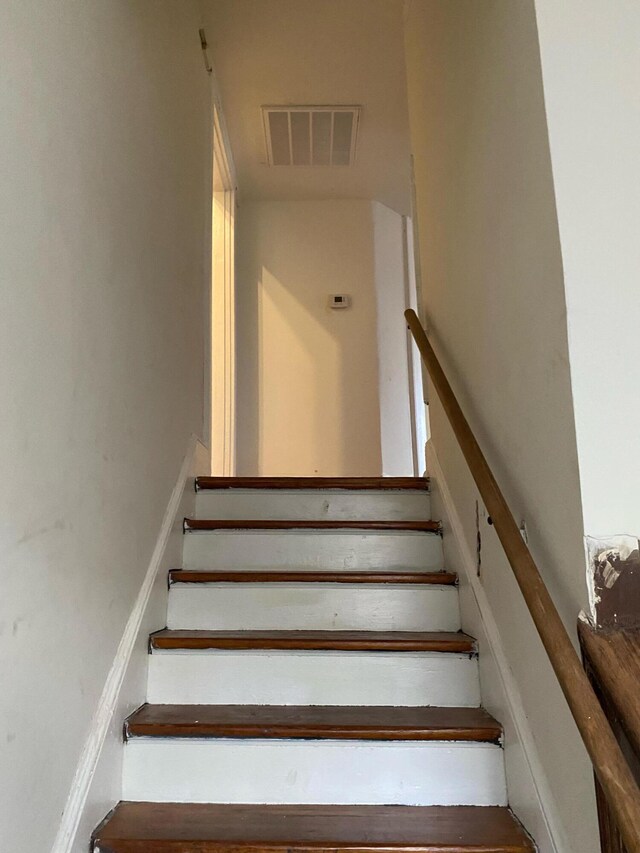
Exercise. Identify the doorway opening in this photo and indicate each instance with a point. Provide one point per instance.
(223, 360)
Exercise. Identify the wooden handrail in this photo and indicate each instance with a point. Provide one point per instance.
(610, 766)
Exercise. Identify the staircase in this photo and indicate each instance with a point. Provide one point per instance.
(312, 689)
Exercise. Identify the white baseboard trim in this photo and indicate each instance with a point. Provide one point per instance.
(550, 823)
(102, 720)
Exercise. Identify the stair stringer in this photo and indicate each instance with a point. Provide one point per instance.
(97, 783)
(530, 796)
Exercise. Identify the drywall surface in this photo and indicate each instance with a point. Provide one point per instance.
(528, 788)
(492, 284)
(105, 161)
(307, 375)
(594, 134)
(390, 270)
(314, 52)
(98, 781)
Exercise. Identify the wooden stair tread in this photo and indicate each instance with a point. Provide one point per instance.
(169, 827)
(351, 483)
(314, 721)
(305, 524)
(370, 577)
(422, 641)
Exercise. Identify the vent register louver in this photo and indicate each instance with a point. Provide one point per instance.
(310, 136)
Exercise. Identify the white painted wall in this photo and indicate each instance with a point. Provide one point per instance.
(493, 291)
(594, 133)
(391, 272)
(105, 164)
(529, 791)
(308, 398)
(97, 784)
(417, 371)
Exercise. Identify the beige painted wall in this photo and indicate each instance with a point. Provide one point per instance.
(594, 132)
(308, 399)
(493, 287)
(104, 153)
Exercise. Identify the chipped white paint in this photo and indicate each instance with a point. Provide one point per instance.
(295, 549)
(290, 771)
(313, 678)
(605, 554)
(331, 504)
(297, 606)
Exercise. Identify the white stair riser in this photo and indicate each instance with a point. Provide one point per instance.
(313, 550)
(289, 771)
(313, 504)
(313, 678)
(242, 606)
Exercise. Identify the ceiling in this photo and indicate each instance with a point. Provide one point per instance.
(299, 52)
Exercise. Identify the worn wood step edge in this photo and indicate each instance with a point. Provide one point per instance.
(193, 524)
(313, 722)
(211, 828)
(397, 641)
(315, 483)
(613, 656)
(186, 576)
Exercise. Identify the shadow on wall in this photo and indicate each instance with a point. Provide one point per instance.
(308, 401)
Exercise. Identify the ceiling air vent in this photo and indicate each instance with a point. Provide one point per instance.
(310, 136)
